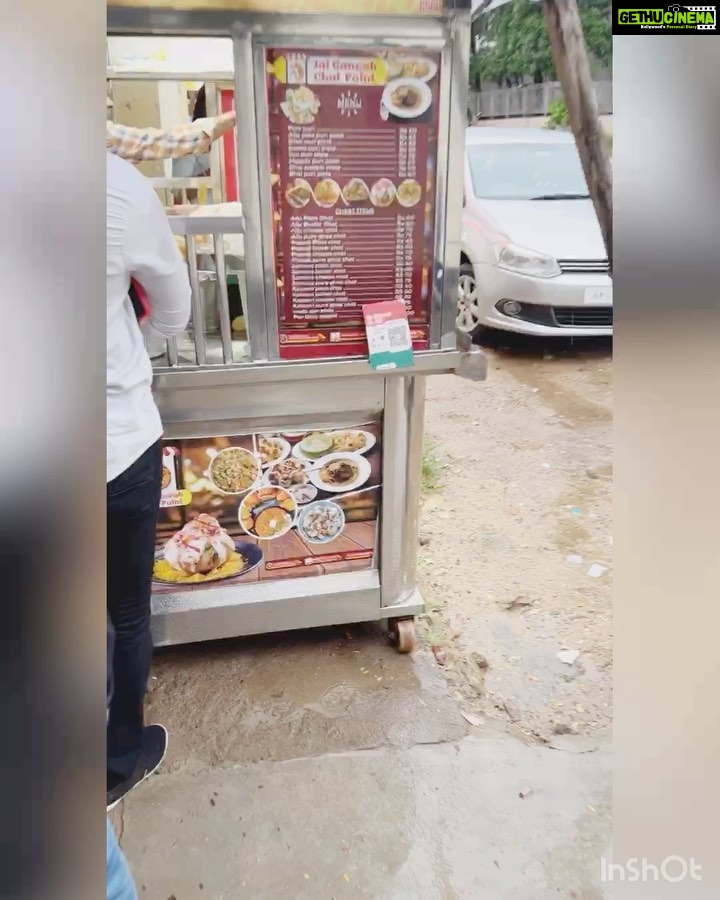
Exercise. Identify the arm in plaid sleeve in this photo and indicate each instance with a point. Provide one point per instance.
(138, 144)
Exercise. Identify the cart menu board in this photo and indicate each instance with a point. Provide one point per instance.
(260, 507)
(353, 149)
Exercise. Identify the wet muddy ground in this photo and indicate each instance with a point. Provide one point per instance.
(323, 764)
(516, 561)
(301, 694)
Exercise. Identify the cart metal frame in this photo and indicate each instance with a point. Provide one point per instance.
(266, 394)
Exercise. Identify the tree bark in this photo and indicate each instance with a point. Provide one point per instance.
(573, 69)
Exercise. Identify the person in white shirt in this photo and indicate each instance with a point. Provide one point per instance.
(140, 246)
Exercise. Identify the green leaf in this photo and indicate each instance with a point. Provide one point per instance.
(516, 45)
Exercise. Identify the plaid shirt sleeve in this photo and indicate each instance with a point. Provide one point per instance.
(138, 144)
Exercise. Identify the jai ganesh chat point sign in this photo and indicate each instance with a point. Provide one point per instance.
(664, 18)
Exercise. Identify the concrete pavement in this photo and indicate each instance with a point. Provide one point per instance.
(325, 765)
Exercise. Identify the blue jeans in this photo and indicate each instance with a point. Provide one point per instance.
(120, 885)
(133, 502)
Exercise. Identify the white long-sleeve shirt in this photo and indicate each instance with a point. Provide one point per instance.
(140, 245)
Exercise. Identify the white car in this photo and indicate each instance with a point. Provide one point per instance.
(533, 259)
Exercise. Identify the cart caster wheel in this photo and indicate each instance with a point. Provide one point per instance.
(404, 635)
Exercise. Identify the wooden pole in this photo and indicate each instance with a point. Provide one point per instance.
(573, 68)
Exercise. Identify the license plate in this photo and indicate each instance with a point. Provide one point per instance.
(598, 296)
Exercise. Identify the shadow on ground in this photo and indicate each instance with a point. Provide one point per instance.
(521, 345)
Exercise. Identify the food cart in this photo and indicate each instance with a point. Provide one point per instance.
(293, 442)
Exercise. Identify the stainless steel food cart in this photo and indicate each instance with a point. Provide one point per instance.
(209, 385)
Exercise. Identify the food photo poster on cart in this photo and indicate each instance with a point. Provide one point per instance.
(260, 507)
(353, 154)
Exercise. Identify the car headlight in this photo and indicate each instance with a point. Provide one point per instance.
(526, 262)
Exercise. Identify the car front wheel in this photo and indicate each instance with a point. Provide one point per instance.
(468, 316)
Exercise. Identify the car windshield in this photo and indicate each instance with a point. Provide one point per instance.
(532, 171)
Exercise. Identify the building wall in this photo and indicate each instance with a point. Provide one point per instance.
(137, 104)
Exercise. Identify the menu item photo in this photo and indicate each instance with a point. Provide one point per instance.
(319, 444)
(288, 473)
(352, 441)
(409, 192)
(299, 193)
(304, 493)
(340, 472)
(234, 470)
(356, 191)
(268, 513)
(296, 71)
(327, 192)
(272, 449)
(400, 66)
(407, 98)
(203, 551)
(321, 522)
(301, 105)
(168, 482)
(314, 445)
(383, 193)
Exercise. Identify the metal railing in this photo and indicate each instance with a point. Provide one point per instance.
(190, 227)
(529, 100)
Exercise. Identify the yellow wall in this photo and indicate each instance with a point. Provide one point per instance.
(136, 103)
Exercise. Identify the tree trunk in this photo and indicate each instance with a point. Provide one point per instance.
(573, 69)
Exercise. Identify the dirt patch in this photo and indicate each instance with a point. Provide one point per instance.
(563, 388)
(516, 548)
(571, 532)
